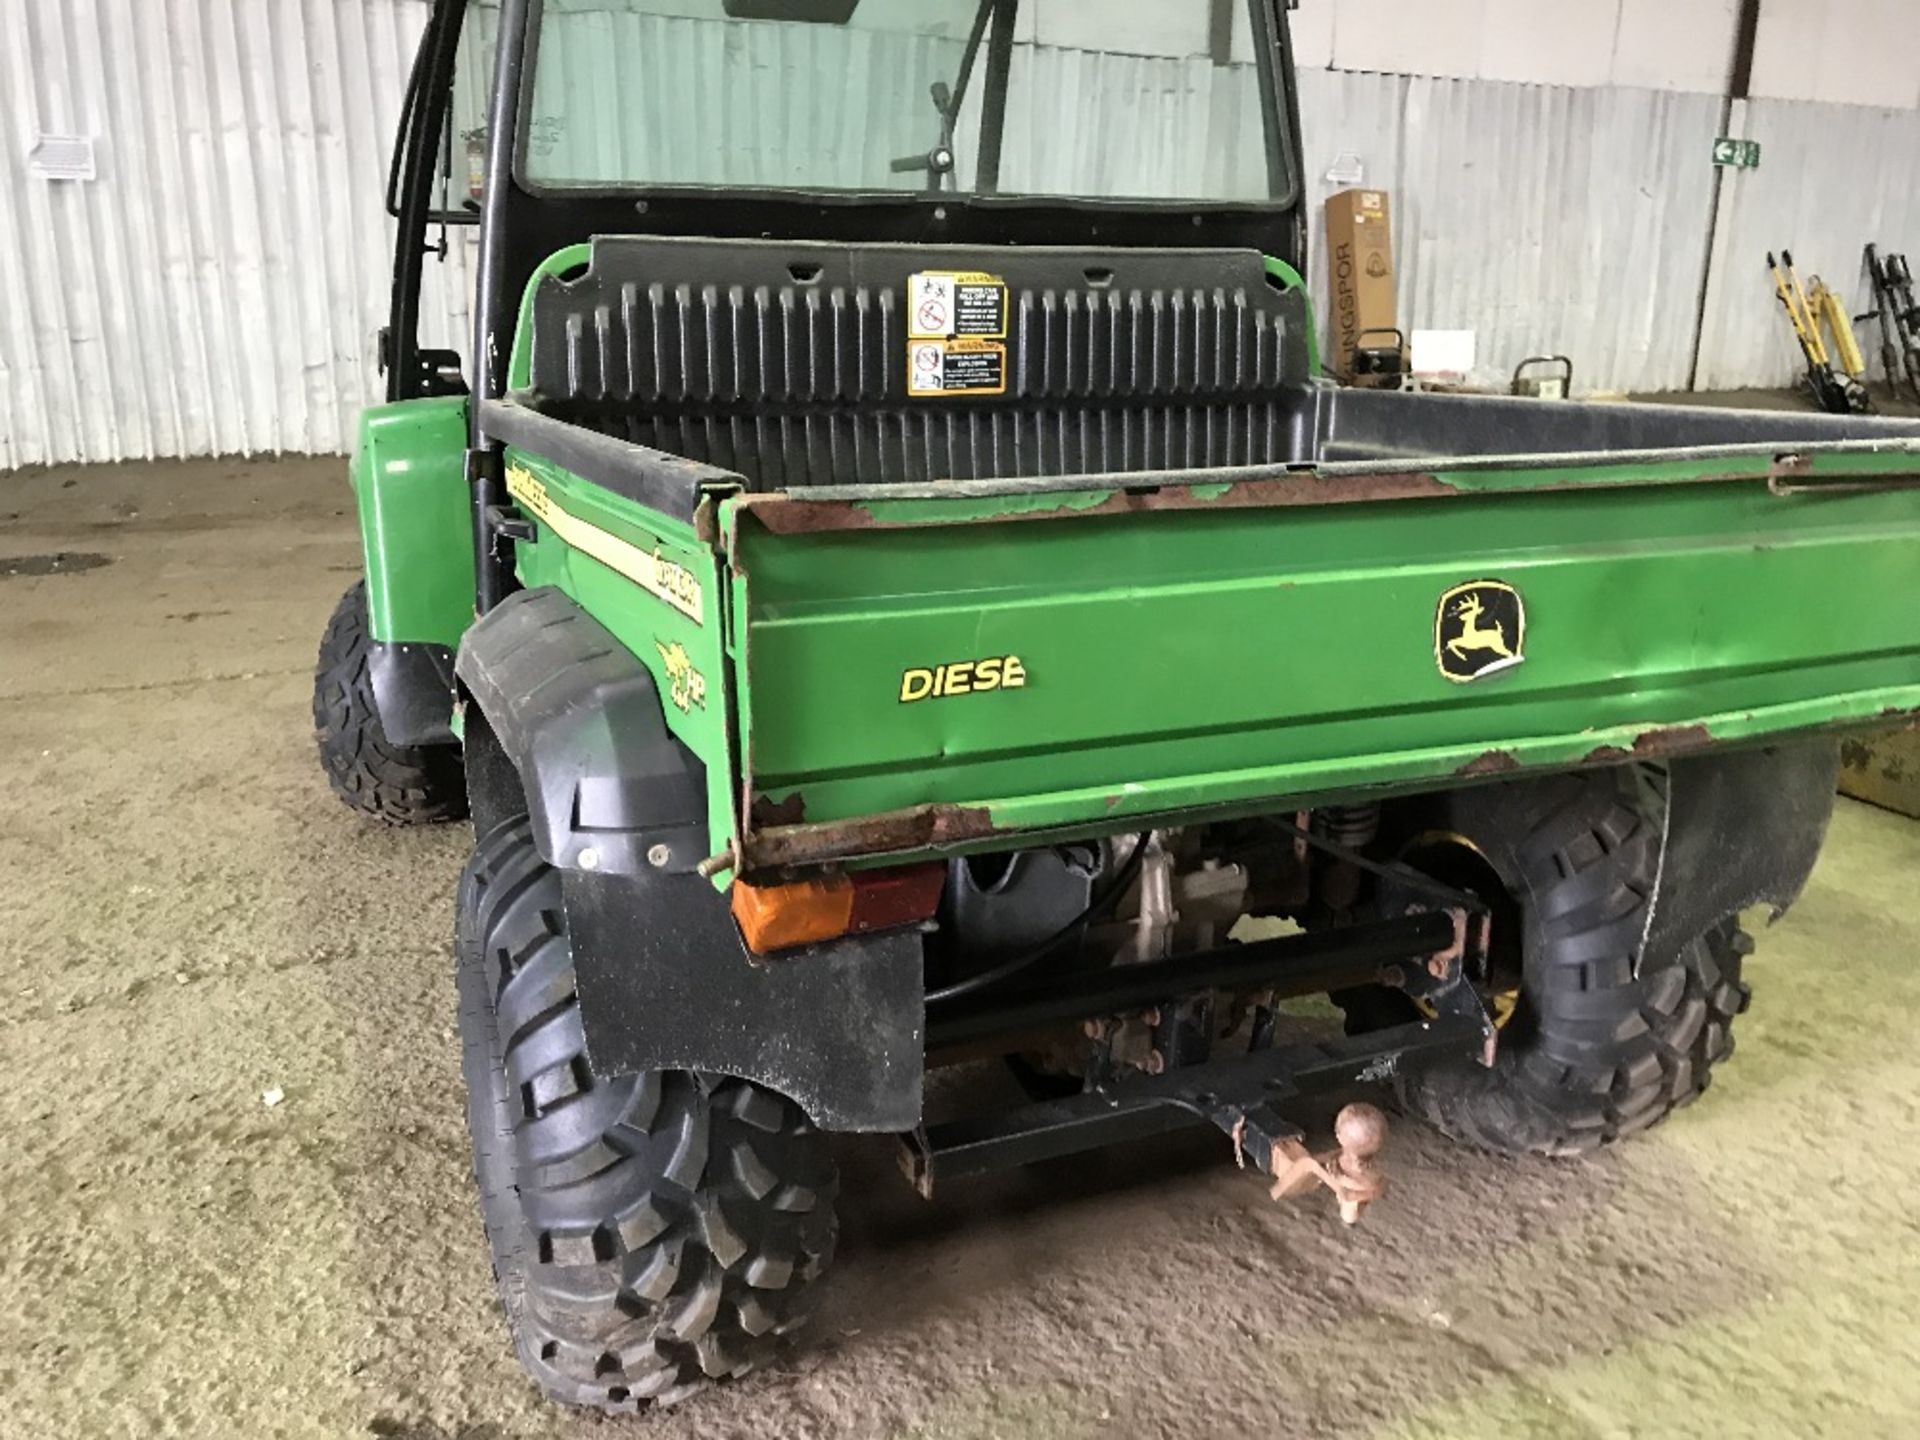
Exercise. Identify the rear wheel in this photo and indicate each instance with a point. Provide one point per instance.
(649, 1233)
(400, 784)
(1600, 1039)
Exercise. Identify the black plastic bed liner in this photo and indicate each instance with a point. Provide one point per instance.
(787, 363)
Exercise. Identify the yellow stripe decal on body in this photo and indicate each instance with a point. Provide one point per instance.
(658, 576)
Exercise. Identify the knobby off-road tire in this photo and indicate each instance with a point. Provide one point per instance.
(651, 1232)
(400, 784)
(1594, 1052)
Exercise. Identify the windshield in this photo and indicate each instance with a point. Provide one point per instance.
(1158, 100)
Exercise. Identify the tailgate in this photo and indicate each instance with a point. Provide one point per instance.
(918, 668)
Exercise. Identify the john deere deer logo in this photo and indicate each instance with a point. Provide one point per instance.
(1480, 630)
(687, 686)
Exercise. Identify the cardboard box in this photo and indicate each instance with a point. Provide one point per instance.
(1883, 770)
(1360, 271)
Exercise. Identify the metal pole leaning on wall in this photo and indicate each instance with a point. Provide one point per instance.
(1739, 88)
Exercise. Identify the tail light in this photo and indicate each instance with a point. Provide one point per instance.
(806, 912)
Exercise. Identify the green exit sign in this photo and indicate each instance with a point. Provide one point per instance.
(1737, 154)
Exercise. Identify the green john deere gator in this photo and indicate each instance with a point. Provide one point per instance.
(898, 592)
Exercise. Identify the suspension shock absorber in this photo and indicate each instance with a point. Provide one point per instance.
(1353, 827)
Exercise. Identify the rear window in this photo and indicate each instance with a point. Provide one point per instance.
(1163, 101)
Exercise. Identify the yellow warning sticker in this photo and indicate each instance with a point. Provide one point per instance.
(956, 304)
(956, 367)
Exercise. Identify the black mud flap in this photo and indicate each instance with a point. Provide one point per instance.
(413, 691)
(564, 722)
(1744, 828)
(665, 982)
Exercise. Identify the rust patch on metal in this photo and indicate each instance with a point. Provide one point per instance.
(793, 513)
(706, 519)
(786, 513)
(1654, 744)
(790, 811)
(1440, 964)
(1666, 740)
(1494, 762)
(925, 827)
(1304, 488)
(783, 514)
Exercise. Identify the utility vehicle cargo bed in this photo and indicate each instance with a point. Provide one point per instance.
(963, 638)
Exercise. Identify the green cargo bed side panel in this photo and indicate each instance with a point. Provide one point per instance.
(1211, 656)
(655, 587)
(410, 485)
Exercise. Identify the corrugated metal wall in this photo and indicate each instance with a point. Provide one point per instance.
(1831, 179)
(1548, 219)
(217, 288)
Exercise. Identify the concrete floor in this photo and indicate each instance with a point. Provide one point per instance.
(197, 922)
(1898, 404)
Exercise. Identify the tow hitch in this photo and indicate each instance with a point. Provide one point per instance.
(1349, 1172)
(1430, 952)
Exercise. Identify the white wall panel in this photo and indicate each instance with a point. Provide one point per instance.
(1168, 27)
(217, 287)
(1312, 28)
(1847, 52)
(1434, 37)
(1676, 44)
(1642, 44)
(1831, 179)
(1547, 219)
(1525, 41)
